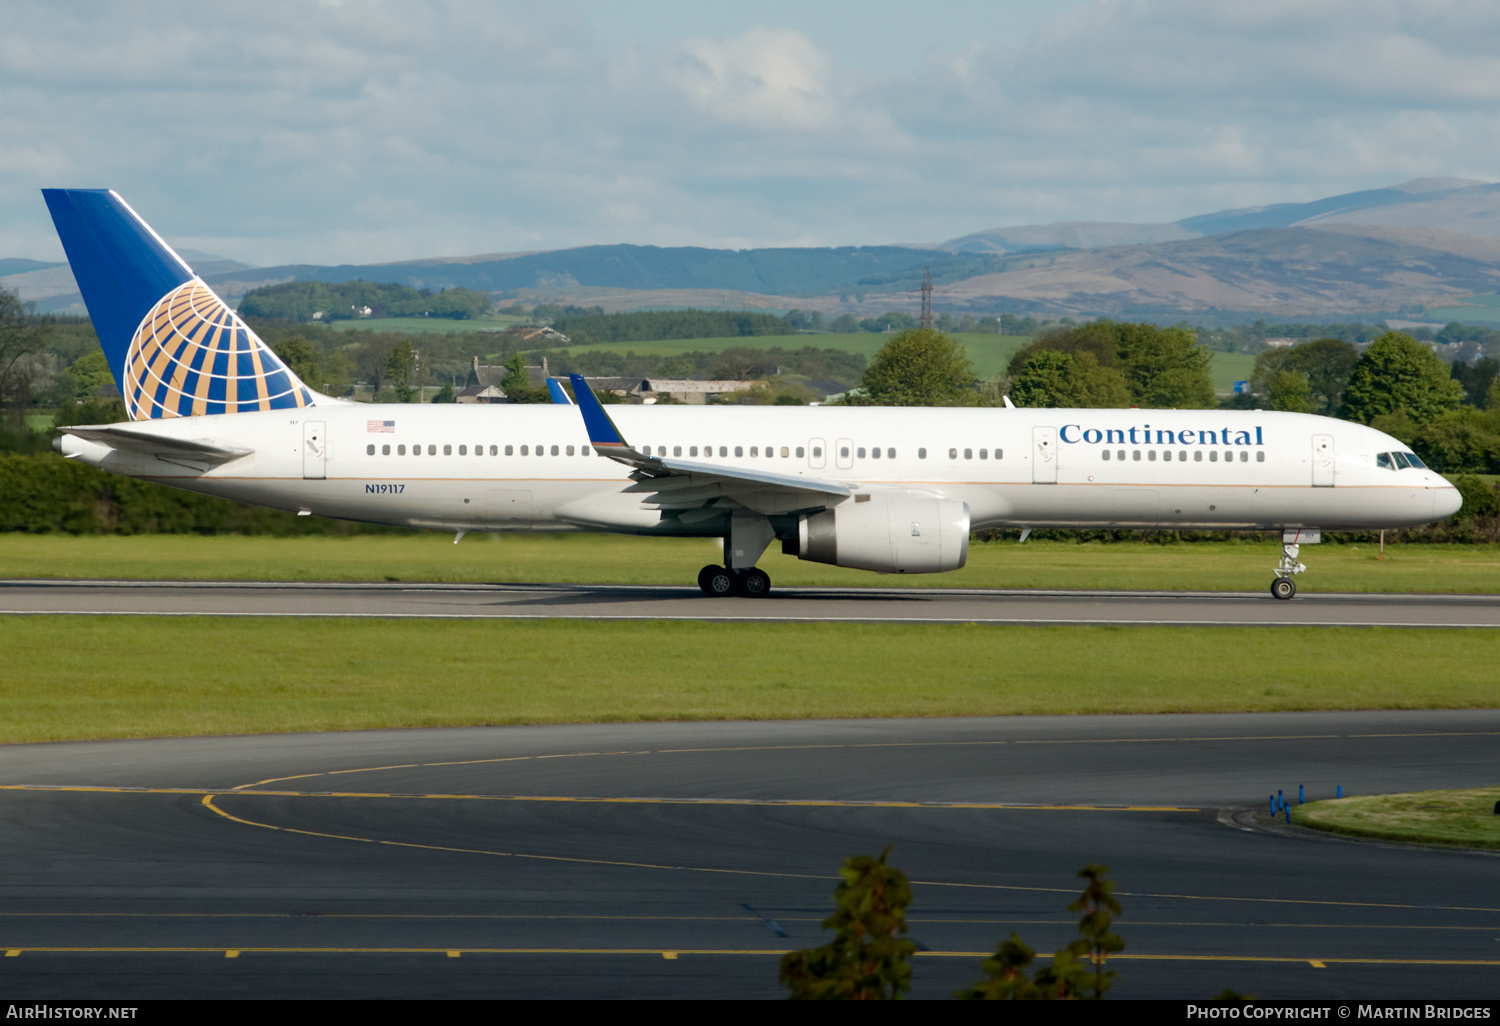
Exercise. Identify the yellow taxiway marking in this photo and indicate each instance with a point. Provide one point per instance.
(208, 802)
(12, 952)
(674, 953)
(587, 800)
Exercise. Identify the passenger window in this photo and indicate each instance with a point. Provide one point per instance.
(874, 454)
(860, 452)
(968, 454)
(754, 451)
(890, 454)
(494, 450)
(416, 450)
(1120, 455)
(999, 453)
(525, 450)
(799, 452)
(1135, 454)
(400, 450)
(554, 451)
(447, 450)
(844, 453)
(984, 454)
(817, 452)
(1151, 455)
(370, 450)
(1166, 455)
(1213, 456)
(432, 450)
(1229, 457)
(770, 451)
(570, 450)
(385, 450)
(583, 451)
(676, 451)
(463, 450)
(1106, 455)
(785, 452)
(1244, 457)
(1182, 455)
(541, 450)
(953, 454)
(921, 454)
(693, 450)
(1197, 455)
(1260, 457)
(723, 450)
(509, 451)
(739, 450)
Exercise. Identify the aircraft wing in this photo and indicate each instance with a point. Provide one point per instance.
(676, 485)
(188, 451)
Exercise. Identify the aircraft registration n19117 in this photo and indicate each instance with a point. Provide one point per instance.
(890, 490)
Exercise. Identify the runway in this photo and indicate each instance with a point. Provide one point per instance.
(661, 860)
(626, 602)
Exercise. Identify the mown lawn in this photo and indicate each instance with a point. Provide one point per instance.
(1465, 817)
(97, 677)
(608, 559)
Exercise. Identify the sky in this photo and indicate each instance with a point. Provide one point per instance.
(360, 131)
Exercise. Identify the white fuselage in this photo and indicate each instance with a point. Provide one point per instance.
(462, 467)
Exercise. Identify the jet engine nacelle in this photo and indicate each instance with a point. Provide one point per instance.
(906, 536)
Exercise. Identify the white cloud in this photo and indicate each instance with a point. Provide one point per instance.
(379, 130)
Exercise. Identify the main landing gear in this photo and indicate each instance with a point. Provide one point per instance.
(752, 583)
(1283, 587)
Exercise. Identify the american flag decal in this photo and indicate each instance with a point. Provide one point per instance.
(384, 426)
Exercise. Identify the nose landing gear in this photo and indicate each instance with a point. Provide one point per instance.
(1283, 587)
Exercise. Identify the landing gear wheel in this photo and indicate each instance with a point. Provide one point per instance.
(753, 583)
(1283, 588)
(715, 581)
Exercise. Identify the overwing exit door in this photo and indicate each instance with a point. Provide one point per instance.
(314, 450)
(1043, 455)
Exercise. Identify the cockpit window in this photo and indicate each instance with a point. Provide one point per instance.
(1383, 460)
(1400, 458)
(1411, 458)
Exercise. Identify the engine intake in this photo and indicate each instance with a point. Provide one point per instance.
(907, 536)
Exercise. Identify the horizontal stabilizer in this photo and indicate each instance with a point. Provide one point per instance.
(133, 439)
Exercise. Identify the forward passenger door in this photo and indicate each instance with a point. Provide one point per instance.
(1322, 461)
(1044, 455)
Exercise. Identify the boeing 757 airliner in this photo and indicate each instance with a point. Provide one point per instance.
(892, 490)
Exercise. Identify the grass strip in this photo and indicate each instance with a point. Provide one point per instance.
(614, 559)
(67, 678)
(1464, 818)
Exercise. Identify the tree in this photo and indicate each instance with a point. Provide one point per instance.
(1398, 373)
(401, 369)
(1077, 969)
(301, 358)
(1327, 363)
(371, 358)
(1052, 378)
(1166, 367)
(1477, 379)
(1460, 441)
(90, 372)
(865, 960)
(21, 336)
(1291, 392)
(517, 383)
(445, 395)
(919, 367)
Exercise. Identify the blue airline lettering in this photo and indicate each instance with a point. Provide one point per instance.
(1163, 437)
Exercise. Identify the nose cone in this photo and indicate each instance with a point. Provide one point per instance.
(1446, 501)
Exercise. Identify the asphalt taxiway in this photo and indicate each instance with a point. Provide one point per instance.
(681, 859)
(624, 602)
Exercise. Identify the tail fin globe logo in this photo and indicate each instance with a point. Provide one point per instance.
(175, 349)
(192, 355)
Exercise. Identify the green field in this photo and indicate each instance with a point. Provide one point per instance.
(95, 677)
(1229, 368)
(608, 559)
(1465, 818)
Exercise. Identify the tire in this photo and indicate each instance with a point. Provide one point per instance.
(753, 583)
(720, 582)
(705, 575)
(1283, 588)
